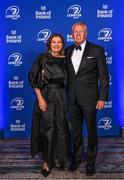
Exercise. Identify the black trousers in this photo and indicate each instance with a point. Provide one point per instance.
(77, 115)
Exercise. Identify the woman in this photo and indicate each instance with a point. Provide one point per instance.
(49, 127)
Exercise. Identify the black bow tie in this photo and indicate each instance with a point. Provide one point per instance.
(78, 47)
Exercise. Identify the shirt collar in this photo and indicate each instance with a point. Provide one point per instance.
(83, 44)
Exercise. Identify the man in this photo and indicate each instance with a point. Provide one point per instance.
(86, 65)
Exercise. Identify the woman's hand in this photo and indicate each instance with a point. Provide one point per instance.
(41, 101)
(42, 104)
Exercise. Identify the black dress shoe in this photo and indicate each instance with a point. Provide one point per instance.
(73, 166)
(44, 172)
(90, 169)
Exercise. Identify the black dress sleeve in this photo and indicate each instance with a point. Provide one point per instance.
(34, 72)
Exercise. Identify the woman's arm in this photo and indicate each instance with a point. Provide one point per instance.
(41, 101)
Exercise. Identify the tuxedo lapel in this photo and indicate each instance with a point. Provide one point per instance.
(83, 57)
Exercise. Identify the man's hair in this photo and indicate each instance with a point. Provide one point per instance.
(79, 23)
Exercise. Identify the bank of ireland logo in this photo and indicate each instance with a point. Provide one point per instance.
(12, 12)
(105, 123)
(43, 35)
(13, 37)
(69, 38)
(43, 13)
(17, 103)
(74, 11)
(108, 104)
(108, 58)
(15, 59)
(104, 12)
(105, 34)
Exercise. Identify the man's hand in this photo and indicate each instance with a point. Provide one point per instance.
(100, 104)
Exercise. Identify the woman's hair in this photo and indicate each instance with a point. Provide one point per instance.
(50, 40)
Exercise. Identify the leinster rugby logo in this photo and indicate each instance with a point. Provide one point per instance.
(105, 34)
(17, 103)
(43, 35)
(110, 79)
(12, 12)
(74, 11)
(105, 123)
(15, 59)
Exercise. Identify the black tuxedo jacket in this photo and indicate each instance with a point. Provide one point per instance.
(92, 80)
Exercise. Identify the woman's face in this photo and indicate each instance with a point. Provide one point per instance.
(56, 44)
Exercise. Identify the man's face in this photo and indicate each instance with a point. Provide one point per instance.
(79, 34)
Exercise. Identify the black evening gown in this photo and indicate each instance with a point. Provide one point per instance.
(50, 128)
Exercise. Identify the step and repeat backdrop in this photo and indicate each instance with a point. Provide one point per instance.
(25, 28)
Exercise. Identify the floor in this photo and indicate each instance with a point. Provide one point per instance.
(17, 163)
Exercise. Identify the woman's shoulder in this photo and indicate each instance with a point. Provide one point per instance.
(40, 55)
(39, 58)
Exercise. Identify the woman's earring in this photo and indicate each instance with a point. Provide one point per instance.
(63, 51)
(50, 52)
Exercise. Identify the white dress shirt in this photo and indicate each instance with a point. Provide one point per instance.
(77, 56)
